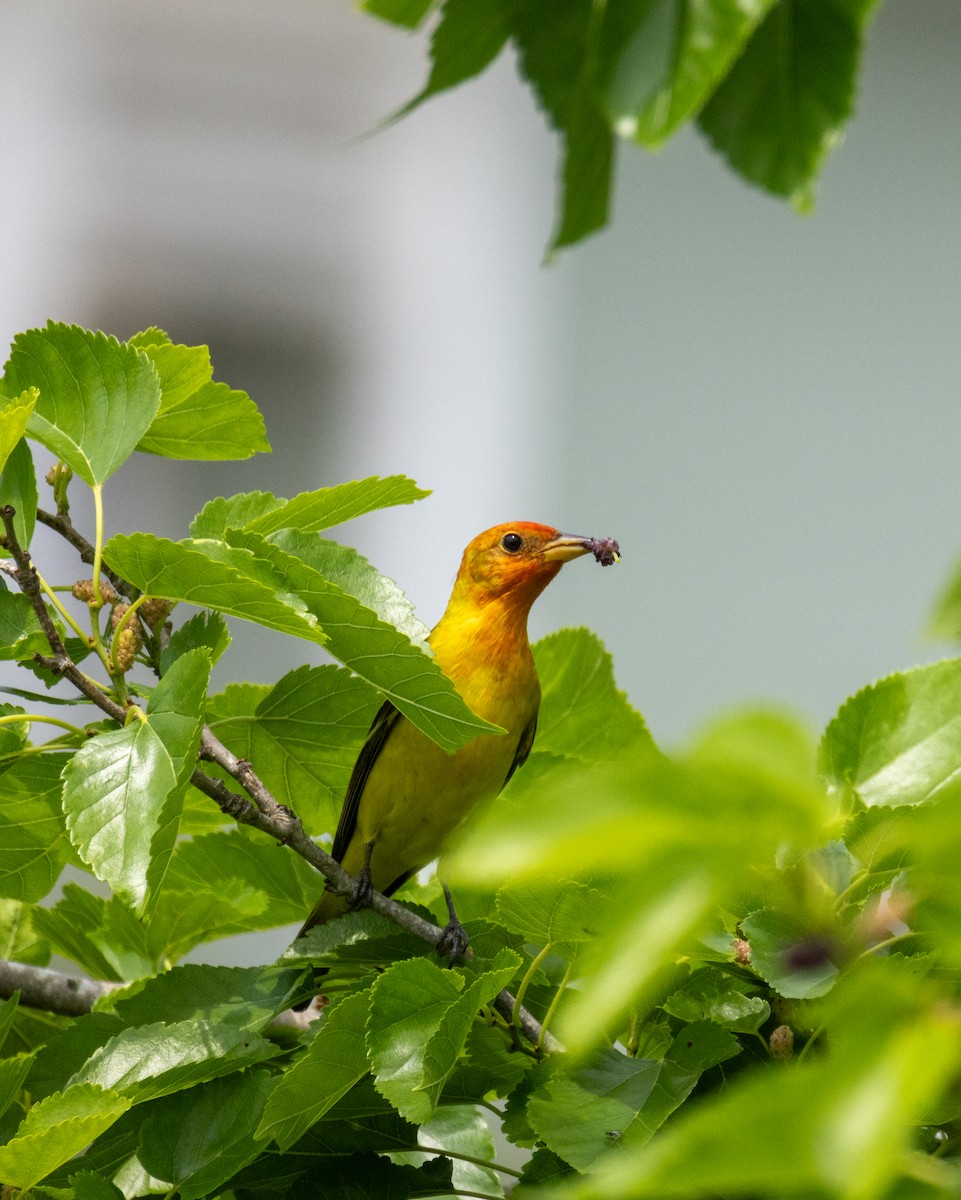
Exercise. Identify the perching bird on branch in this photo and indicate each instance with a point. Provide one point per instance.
(406, 796)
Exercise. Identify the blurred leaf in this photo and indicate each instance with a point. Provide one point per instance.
(123, 789)
(205, 630)
(407, 13)
(661, 59)
(780, 110)
(795, 961)
(611, 1101)
(843, 1122)
(304, 735)
(13, 1073)
(468, 37)
(55, 1129)
(97, 396)
(335, 1060)
(88, 1185)
(565, 912)
(33, 842)
(197, 1141)
(14, 414)
(19, 939)
(198, 418)
(587, 174)
(899, 740)
(18, 488)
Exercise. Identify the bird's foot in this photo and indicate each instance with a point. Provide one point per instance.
(363, 891)
(453, 941)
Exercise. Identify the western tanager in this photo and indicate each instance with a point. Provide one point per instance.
(406, 796)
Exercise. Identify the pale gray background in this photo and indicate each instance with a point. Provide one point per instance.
(763, 408)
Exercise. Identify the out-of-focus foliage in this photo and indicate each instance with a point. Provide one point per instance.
(749, 949)
(770, 82)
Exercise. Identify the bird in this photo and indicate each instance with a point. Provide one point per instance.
(406, 796)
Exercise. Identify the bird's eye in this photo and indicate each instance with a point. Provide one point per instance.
(511, 542)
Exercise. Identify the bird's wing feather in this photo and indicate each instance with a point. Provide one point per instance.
(523, 748)
(380, 729)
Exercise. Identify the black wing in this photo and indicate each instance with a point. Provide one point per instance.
(523, 748)
(380, 729)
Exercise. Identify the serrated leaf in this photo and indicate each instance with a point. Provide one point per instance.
(33, 843)
(55, 1130)
(358, 939)
(247, 997)
(565, 912)
(715, 996)
(777, 941)
(67, 1051)
(18, 489)
(183, 571)
(898, 741)
(311, 512)
(660, 61)
(13, 1073)
(780, 109)
(304, 735)
(371, 648)
(97, 396)
(583, 714)
(468, 37)
(406, 13)
(88, 1185)
(14, 414)
(408, 1004)
(157, 1060)
(73, 927)
(462, 1131)
(334, 1061)
(204, 631)
(198, 1140)
(215, 424)
(123, 789)
(232, 512)
(153, 335)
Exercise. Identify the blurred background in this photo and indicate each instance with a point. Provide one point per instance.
(763, 408)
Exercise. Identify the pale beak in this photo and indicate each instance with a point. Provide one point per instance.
(567, 546)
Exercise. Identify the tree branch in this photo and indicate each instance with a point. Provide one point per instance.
(61, 523)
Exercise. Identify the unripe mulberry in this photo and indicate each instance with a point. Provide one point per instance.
(126, 649)
(781, 1042)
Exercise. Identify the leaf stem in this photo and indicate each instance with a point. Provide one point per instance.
(97, 490)
(33, 718)
(51, 595)
(526, 981)
(552, 1008)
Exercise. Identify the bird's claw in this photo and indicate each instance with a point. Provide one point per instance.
(363, 891)
(453, 941)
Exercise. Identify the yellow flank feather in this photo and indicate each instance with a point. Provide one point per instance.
(407, 796)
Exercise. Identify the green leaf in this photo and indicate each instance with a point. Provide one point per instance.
(371, 648)
(782, 106)
(199, 1139)
(204, 630)
(587, 174)
(468, 37)
(311, 512)
(97, 396)
(358, 939)
(660, 60)
(232, 512)
(335, 1060)
(73, 927)
(55, 1130)
(18, 488)
(711, 995)
(67, 1051)
(199, 419)
(14, 414)
(406, 13)
(184, 571)
(583, 715)
(303, 735)
(13, 1074)
(33, 843)
(565, 912)
(780, 955)
(408, 1004)
(461, 1130)
(21, 635)
(123, 789)
(151, 336)
(8, 1009)
(248, 997)
(160, 1059)
(898, 741)
(88, 1185)
(612, 1101)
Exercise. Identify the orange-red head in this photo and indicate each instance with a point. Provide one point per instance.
(514, 563)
